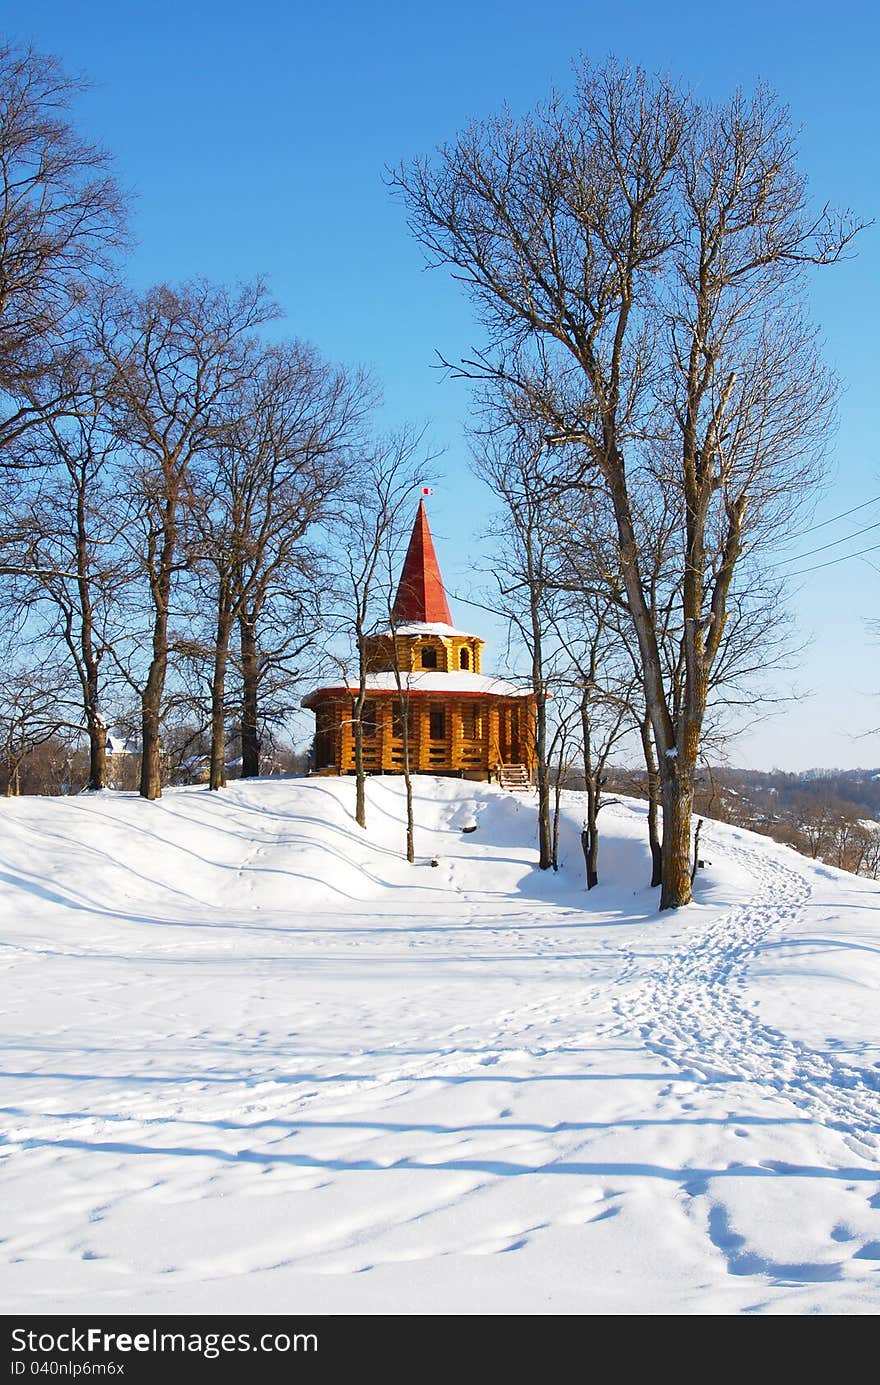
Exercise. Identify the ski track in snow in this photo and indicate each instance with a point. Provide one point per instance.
(690, 1011)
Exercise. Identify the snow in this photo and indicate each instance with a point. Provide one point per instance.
(479, 684)
(431, 627)
(122, 745)
(257, 1063)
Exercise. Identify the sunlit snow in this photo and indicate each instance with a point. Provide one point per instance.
(255, 1062)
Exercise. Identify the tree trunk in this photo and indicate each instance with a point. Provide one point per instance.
(151, 697)
(557, 803)
(404, 706)
(12, 779)
(88, 663)
(151, 705)
(653, 802)
(593, 854)
(250, 673)
(677, 797)
(97, 750)
(360, 779)
(410, 817)
(407, 777)
(590, 835)
(545, 842)
(542, 774)
(217, 778)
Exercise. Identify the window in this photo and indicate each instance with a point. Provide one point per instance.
(472, 722)
(437, 728)
(368, 720)
(429, 656)
(464, 659)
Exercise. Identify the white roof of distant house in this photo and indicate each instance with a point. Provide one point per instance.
(431, 681)
(432, 627)
(122, 745)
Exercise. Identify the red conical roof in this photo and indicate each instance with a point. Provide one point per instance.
(421, 598)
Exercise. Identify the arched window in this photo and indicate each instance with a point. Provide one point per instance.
(464, 659)
(429, 656)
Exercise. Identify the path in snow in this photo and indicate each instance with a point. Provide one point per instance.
(690, 1010)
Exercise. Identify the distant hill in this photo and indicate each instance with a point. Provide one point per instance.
(827, 814)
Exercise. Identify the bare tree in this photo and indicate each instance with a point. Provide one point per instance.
(61, 222)
(367, 535)
(32, 712)
(178, 359)
(63, 538)
(637, 257)
(271, 479)
(606, 712)
(279, 645)
(561, 749)
(507, 457)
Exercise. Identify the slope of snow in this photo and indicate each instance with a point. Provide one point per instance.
(255, 1062)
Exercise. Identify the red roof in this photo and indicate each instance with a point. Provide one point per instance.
(420, 593)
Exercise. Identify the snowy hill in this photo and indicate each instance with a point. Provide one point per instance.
(255, 1062)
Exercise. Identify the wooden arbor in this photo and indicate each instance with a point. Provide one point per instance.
(459, 720)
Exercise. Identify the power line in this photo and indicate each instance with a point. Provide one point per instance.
(823, 548)
(875, 548)
(834, 518)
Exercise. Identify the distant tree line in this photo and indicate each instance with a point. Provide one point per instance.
(832, 816)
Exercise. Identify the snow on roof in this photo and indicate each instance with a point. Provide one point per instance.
(431, 627)
(122, 745)
(430, 681)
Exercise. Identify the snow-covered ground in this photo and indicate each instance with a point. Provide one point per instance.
(254, 1062)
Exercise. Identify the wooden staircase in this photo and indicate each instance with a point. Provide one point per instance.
(514, 778)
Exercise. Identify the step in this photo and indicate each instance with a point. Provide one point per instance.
(515, 778)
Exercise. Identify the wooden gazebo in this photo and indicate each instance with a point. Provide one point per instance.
(459, 720)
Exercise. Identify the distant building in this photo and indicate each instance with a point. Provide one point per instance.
(460, 721)
(122, 745)
(123, 761)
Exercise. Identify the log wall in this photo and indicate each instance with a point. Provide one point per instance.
(478, 734)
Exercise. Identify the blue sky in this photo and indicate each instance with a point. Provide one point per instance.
(253, 137)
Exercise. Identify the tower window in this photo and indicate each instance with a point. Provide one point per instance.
(429, 656)
(464, 659)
